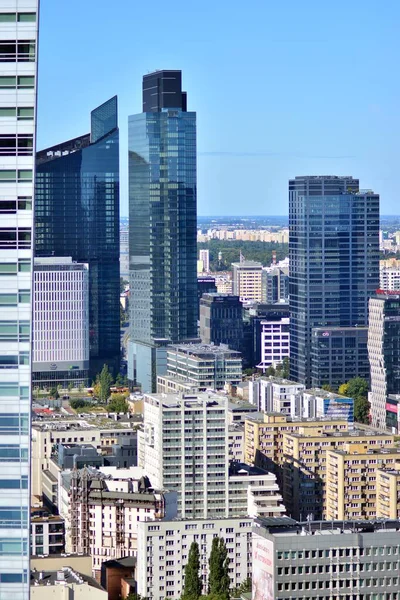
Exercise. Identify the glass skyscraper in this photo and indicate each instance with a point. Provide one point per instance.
(18, 71)
(77, 215)
(333, 257)
(162, 226)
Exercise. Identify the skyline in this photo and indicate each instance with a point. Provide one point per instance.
(326, 108)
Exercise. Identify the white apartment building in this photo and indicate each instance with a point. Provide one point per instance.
(274, 342)
(389, 278)
(184, 447)
(253, 492)
(124, 252)
(163, 549)
(277, 395)
(60, 322)
(102, 509)
(204, 258)
(236, 442)
(247, 280)
(18, 71)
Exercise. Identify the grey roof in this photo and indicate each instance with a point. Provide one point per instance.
(65, 574)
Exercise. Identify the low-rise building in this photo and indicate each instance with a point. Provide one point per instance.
(325, 560)
(253, 492)
(163, 549)
(274, 343)
(236, 442)
(66, 583)
(47, 533)
(276, 394)
(388, 492)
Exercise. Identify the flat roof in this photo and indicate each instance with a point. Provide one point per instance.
(284, 525)
(204, 349)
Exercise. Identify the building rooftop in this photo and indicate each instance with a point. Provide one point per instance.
(343, 434)
(191, 399)
(242, 469)
(64, 576)
(325, 394)
(202, 350)
(286, 526)
(124, 562)
(248, 264)
(90, 421)
(369, 452)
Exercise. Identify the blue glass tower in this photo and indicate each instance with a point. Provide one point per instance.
(162, 226)
(77, 215)
(334, 260)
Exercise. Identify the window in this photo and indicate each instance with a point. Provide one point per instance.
(16, 145)
(8, 299)
(25, 113)
(17, 50)
(25, 82)
(25, 17)
(8, 269)
(24, 297)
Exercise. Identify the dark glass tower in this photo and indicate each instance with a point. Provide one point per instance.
(77, 215)
(334, 260)
(162, 226)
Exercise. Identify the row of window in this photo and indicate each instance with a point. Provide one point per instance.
(12, 331)
(23, 266)
(17, 17)
(11, 206)
(13, 238)
(16, 145)
(337, 552)
(24, 297)
(20, 82)
(17, 50)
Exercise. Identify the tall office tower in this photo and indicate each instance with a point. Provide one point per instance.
(162, 226)
(60, 322)
(333, 258)
(383, 352)
(221, 320)
(18, 71)
(77, 215)
(247, 280)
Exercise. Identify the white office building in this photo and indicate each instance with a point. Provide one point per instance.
(277, 395)
(163, 550)
(204, 258)
(389, 278)
(274, 342)
(18, 53)
(60, 322)
(185, 447)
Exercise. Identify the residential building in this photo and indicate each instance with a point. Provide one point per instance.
(184, 447)
(277, 395)
(77, 215)
(387, 488)
(253, 492)
(309, 489)
(325, 560)
(221, 320)
(253, 317)
(317, 403)
(162, 226)
(338, 354)
(47, 533)
(333, 260)
(204, 257)
(18, 74)
(351, 479)
(118, 577)
(236, 442)
(247, 280)
(274, 343)
(389, 278)
(104, 433)
(65, 583)
(163, 549)
(102, 509)
(60, 323)
(383, 352)
(204, 366)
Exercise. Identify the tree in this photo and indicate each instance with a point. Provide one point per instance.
(118, 404)
(193, 583)
(77, 403)
(218, 579)
(286, 368)
(357, 388)
(70, 386)
(270, 372)
(105, 381)
(343, 389)
(327, 387)
(119, 380)
(54, 393)
(243, 588)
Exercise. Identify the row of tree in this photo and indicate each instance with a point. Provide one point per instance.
(218, 574)
(230, 250)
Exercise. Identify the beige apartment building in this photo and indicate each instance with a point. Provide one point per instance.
(388, 492)
(247, 280)
(306, 466)
(351, 480)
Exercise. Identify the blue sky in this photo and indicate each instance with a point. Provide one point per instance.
(280, 88)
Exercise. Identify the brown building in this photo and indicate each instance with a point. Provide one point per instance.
(118, 577)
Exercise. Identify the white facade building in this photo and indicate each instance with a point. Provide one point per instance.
(204, 257)
(18, 70)
(253, 492)
(274, 342)
(163, 549)
(185, 448)
(60, 321)
(389, 278)
(124, 251)
(277, 395)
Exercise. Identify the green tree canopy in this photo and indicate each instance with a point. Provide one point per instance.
(357, 388)
(105, 380)
(118, 404)
(218, 578)
(193, 584)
